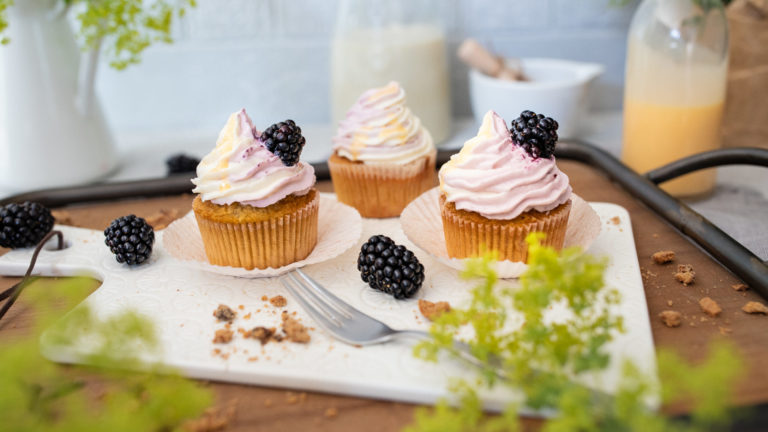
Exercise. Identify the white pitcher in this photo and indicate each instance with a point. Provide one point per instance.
(52, 129)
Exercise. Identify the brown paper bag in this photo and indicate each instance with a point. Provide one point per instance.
(745, 122)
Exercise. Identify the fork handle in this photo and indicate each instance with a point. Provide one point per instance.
(460, 348)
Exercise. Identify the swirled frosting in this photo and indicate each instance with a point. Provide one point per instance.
(380, 129)
(240, 169)
(497, 179)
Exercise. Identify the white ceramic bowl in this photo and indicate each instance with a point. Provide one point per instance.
(557, 88)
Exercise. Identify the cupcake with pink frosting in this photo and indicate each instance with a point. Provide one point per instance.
(256, 205)
(383, 156)
(503, 186)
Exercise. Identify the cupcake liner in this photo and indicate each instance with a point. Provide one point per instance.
(467, 238)
(338, 228)
(380, 191)
(270, 243)
(422, 223)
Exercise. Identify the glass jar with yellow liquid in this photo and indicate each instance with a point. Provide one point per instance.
(677, 61)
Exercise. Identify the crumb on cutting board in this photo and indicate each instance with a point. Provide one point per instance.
(223, 336)
(213, 419)
(740, 287)
(294, 330)
(671, 318)
(262, 334)
(663, 257)
(754, 307)
(432, 310)
(224, 313)
(278, 301)
(710, 307)
(685, 274)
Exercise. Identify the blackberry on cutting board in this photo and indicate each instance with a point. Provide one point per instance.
(285, 141)
(535, 133)
(24, 224)
(181, 163)
(130, 238)
(389, 267)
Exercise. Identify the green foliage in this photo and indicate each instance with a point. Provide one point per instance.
(542, 356)
(4, 5)
(40, 395)
(127, 26)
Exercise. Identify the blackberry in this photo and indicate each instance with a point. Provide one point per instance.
(285, 141)
(130, 238)
(535, 133)
(24, 224)
(181, 163)
(389, 267)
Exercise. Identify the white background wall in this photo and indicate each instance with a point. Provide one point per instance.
(272, 57)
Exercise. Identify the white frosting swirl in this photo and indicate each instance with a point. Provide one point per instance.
(380, 129)
(241, 169)
(498, 179)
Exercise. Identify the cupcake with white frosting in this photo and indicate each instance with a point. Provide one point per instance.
(496, 191)
(256, 208)
(383, 157)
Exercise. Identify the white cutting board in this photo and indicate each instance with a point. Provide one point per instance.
(181, 301)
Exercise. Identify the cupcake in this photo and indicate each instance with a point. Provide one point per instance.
(383, 157)
(503, 186)
(256, 205)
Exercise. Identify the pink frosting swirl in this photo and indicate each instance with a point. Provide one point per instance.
(240, 169)
(499, 180)
(380, 129)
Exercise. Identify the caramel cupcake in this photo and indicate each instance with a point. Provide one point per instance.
(256, 206)
(496, 191)
(383, 157)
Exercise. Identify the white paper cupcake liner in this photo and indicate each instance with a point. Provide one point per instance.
(422, 224)
(338, 228)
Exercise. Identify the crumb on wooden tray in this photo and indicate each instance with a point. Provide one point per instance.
(754, 307)
(685, 274)
(663, 257)
(671, 318)
(740, 287)
(432, 310)
(162, 218)
(710, 307)
(224, 313)
(213, 419)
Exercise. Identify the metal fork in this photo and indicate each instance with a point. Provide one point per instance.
(349, 325)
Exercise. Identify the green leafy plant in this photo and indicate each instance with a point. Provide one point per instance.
(127, 26)
(544, 357)
(40, 395)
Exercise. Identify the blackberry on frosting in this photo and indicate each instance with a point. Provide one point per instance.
(535, 133)
(285, 141)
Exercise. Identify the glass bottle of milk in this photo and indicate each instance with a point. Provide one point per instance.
(379, 41)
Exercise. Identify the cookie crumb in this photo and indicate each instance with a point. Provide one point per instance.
(213, 419)
(669, 303)
(294, 330)
(685, 274)
(261, 334)
(162, 218)
(671, 318)
(663, 257)
(264, 298)
(740, 287)
(331, 412)
(432, 310)
(615, 220)
(278, 301)
(223, 336)
(710, 307)
(224, 313)
(291, 398)
(755, 308)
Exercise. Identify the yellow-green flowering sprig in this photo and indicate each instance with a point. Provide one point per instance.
(542, 358)
(39, 395)
(127, 27)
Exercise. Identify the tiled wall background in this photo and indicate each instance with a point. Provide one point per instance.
(272, 57)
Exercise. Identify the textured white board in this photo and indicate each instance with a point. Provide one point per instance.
(180, 300)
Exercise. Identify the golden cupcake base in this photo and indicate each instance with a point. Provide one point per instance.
(468, 234)
(381, 191)
(250, 237)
